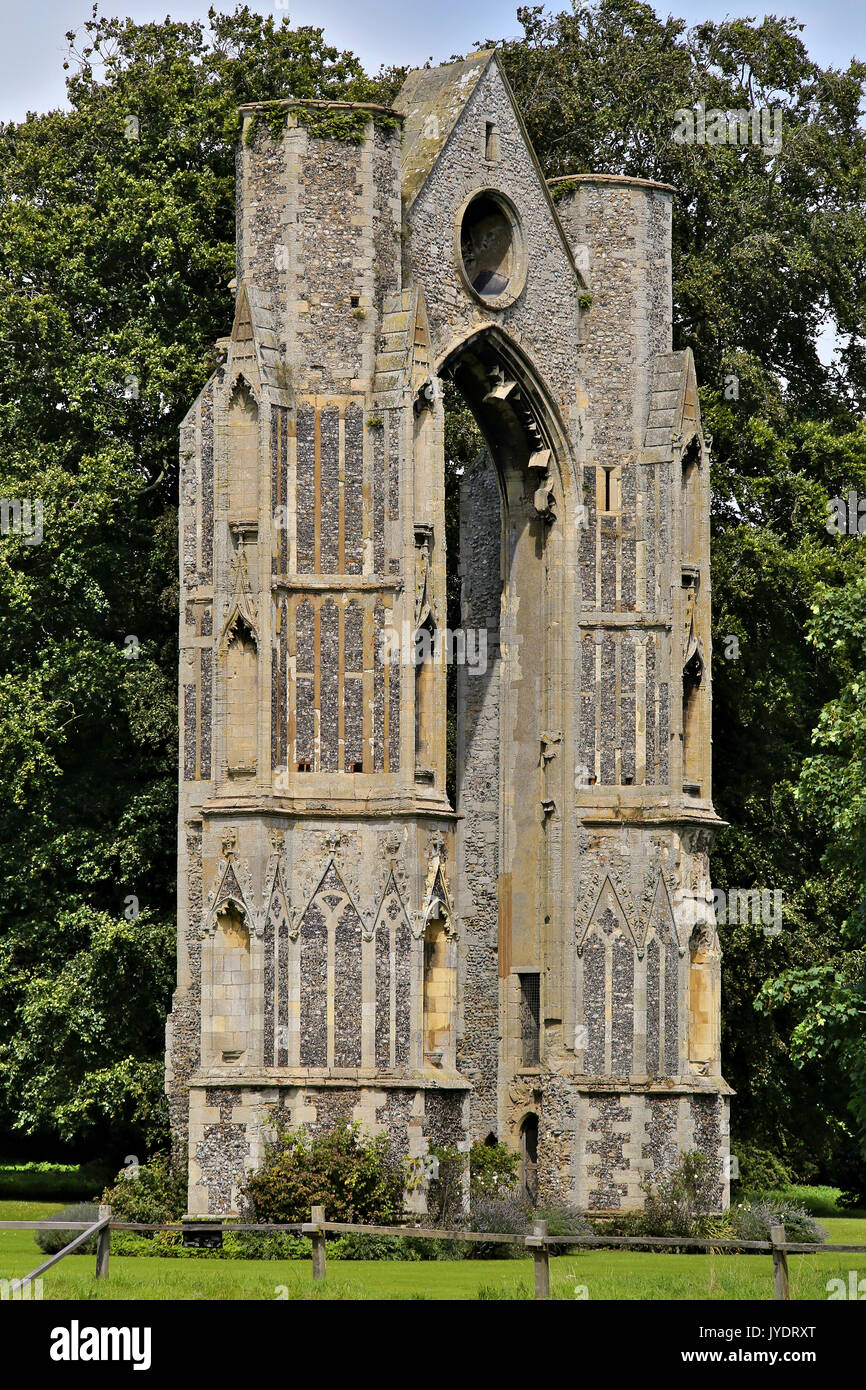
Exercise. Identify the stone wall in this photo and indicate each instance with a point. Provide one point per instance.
(350, 945)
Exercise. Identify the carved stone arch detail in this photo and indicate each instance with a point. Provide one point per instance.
(392, 863)
(391, 906)
(233, 887)
(620, 906)
(437, 905)
(658, 914)
(278, 911)
(514, 377)
(338, 885)
(241, 380)
(241, 614)
(330, 930)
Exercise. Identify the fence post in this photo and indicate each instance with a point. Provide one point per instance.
(317, 1215)
(541, 1260)
(780, 1263)
(103, 1245)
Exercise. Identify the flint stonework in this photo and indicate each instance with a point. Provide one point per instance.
(351, 944)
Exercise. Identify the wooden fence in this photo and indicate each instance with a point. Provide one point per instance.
(538, 1244)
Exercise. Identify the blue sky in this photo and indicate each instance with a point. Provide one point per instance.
(389, 31)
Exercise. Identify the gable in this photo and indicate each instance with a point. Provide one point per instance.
(431, 100)
(448, 113)
(253, 349)
(674, 408)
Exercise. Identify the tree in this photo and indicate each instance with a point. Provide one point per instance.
(829, 993)
(116, 248)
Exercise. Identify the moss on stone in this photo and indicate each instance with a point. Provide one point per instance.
(346, 124)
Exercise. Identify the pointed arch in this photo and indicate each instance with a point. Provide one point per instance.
(330, 933)
(392, 939)
(663, 956)
(515, 410)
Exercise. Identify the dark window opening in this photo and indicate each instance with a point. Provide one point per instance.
(487, 246)
(354, 300)
(356, 767)
(529, 1154)
(491, 1141)
(609, 498)
(305, 767)
(530, 1014)
(463, 443)
(691, 502)
(691, 729)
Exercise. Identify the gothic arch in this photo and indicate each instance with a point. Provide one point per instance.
(512, 404)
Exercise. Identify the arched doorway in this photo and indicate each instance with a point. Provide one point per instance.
(513, 503)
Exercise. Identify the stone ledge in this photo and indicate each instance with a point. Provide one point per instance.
(267, 1079)
(642, 1086)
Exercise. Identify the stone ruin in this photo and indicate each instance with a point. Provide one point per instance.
(538, 962)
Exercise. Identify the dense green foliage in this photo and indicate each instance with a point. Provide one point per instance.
(151, 1192)
(62, 1182)
(115, 255)
(755, 1220)
(354, 1177)
(677, 1202)
(445, 1190)
(493, 1168)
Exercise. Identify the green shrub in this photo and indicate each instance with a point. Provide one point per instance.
(354, 1177)
(493, 1168)
(52, 1241)
(445, 1191)
(625, 1223)
(165, 1244)
(155, 1191)
(760, 1170)
(59, 1182)
(679, 1202)
(356, 1247)
(719, 1226)
(269, 1245)
(752, 1220)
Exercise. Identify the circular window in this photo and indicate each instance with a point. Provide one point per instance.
(491, 248)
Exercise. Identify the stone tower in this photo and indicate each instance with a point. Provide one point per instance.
(539, 963)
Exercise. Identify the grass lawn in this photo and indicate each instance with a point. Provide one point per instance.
(820, 1201)
(604, 1274)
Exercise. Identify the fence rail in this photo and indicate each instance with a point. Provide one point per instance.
(537, 1244)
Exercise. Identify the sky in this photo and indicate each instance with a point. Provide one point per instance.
(379, 31)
